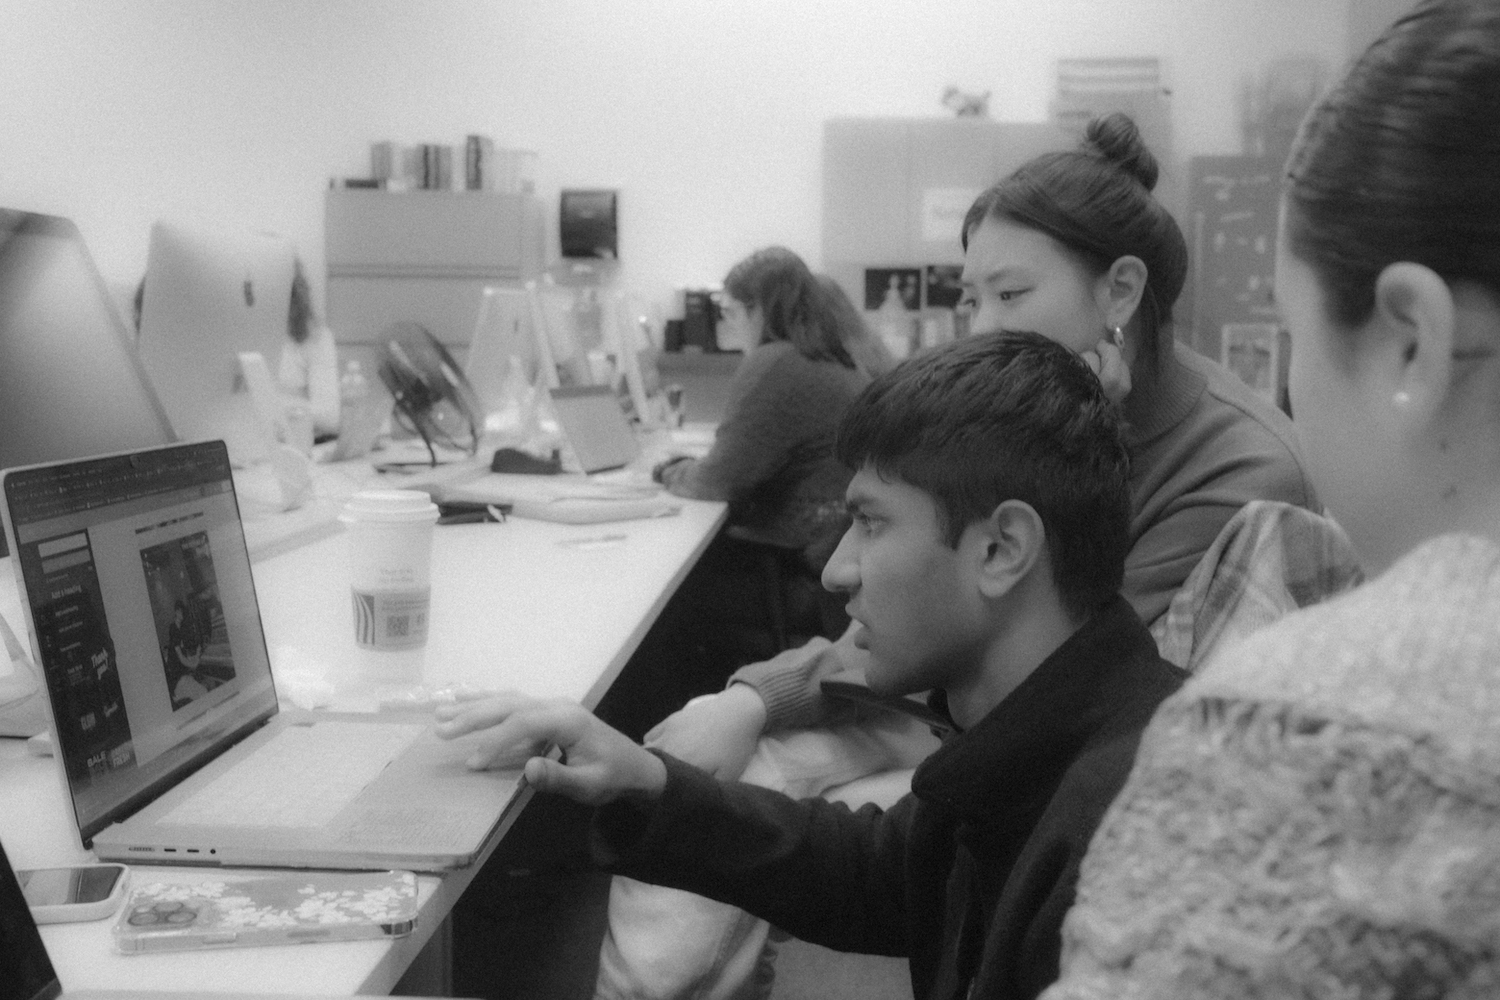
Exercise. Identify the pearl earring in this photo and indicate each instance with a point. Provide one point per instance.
(1117, 337)
(1402, 399)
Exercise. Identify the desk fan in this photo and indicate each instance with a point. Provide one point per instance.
(433, 398)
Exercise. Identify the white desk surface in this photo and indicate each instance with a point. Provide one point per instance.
(551, 609)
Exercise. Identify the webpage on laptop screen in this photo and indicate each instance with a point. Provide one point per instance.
(140, 594)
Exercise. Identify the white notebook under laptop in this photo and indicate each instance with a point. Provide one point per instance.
(136, 582)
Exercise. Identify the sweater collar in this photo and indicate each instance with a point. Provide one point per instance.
(1156, 406)
(1015, 753)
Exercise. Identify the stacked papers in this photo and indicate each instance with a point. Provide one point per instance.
(568, 499)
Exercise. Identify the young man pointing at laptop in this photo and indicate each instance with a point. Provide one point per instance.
(990, 505)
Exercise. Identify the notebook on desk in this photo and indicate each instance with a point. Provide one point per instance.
(135, 576)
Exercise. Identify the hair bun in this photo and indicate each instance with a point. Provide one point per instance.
(1116, 138)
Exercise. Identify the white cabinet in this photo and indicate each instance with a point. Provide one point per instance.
(424, 256)
(895, 190)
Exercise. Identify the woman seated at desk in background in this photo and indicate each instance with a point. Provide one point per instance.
(772, 457)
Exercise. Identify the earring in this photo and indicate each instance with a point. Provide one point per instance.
(1402, 399)
(1117, 337)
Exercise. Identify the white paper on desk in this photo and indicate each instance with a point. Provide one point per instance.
(696, 440)
(568, 499)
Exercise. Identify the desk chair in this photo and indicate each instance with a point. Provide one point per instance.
(795, 604)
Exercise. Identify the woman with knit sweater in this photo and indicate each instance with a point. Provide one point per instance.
(1315, 814)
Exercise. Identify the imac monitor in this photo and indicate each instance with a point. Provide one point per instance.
(70, 383)
(503, 356)
(209, 296)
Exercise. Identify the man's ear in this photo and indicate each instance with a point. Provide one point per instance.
(1413, 328)
(1118, 291)
(1012, 540)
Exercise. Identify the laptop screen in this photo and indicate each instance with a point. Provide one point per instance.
(137, 579)
(595, 426)
(25, 971)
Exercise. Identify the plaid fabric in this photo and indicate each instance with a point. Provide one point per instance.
(1269, 560)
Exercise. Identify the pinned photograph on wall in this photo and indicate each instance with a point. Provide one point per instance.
(1250, 350)
(900, 286)
(943, 286)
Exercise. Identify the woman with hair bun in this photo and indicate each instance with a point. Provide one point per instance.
(1317, 813)
(1072, 246)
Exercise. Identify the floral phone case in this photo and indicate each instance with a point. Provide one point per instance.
(280, 909)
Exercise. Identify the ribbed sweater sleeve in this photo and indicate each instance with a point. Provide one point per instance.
(775, 398)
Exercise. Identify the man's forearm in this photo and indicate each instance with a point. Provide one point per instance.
(794, 863)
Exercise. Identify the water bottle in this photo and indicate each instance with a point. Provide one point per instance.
(354, 388)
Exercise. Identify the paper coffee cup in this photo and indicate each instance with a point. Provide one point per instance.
(390, 566)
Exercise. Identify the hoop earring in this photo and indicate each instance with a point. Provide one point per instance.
(1117, 337)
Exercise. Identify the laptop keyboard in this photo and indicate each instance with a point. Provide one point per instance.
(302, 778)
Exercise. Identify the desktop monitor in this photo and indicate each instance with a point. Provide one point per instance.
(71, 385)
(209, 296)
(503, 356)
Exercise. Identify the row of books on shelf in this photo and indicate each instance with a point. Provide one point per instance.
(429, 166)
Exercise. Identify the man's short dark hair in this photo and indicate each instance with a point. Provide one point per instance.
(1006, 416)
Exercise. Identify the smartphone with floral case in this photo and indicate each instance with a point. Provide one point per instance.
(280, 909)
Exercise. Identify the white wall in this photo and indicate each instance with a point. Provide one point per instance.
(705, 113)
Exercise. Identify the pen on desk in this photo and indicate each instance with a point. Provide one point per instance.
(592, 541)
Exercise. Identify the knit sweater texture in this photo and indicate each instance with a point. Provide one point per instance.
(1317, 813)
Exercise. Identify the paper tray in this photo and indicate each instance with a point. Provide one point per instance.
(565, 499)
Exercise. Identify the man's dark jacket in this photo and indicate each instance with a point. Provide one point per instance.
(970, 875)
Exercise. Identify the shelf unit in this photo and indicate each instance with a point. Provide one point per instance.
(423, 256)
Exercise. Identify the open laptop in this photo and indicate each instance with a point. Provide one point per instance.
(26, 971)
(135, 578)
(595, 427)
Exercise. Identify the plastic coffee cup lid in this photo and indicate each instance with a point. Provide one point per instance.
(389, 506)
